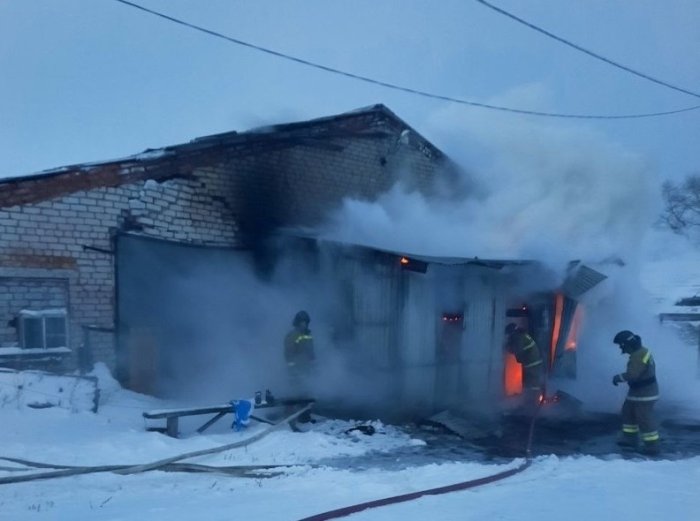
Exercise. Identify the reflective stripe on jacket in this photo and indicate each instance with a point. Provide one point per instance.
(299, 348)
(525, 349)
(528, 355)
(641, 376)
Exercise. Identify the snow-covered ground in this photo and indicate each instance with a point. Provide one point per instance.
(672, 274)
(576, 487)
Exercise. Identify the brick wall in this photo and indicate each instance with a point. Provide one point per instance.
(73, 234)
(300, 185)
(61, 226)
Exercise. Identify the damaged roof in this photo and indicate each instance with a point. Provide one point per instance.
(579, 279)
(177, 160)
(306, 234)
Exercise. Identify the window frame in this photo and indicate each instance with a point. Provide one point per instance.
(42, 315)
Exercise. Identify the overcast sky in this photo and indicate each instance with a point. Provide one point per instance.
(94, 80)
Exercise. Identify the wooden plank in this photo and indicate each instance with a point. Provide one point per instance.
(171, 428)
(194, 411)
(261, 419)
(172, 415)
(213, 420)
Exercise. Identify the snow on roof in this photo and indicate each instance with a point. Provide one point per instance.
(146, 155)
(214, 140)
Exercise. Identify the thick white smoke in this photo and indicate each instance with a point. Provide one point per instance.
(221, 325)
(546, 192)
(551, 192)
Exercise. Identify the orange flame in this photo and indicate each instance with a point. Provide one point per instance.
(556, 328)
(513, 376)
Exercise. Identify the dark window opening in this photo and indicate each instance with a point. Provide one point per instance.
(449, 342)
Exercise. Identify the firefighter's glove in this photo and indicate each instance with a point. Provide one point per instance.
(617, 379)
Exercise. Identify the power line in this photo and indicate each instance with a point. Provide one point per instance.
(393, 86)
(586, 51)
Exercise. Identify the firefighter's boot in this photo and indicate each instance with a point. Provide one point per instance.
(650, 448)
(628, 439)
(650, 442)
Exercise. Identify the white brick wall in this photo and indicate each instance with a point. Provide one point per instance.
(51, 235)
(295, 184)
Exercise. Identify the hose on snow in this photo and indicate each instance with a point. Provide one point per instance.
(263, 471)
(168, 464)
(353, 509)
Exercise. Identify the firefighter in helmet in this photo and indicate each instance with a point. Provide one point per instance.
(300, 356)
(299, 344)
(640, 376)
(528, 355)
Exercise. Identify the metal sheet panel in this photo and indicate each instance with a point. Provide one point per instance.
(417, 340)
(374, 302)
(418, 320)
(162, 301)
(482, 368)
(580, 280)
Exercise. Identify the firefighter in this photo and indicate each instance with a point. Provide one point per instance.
(637, 416)
(528, 355)
(300, 356)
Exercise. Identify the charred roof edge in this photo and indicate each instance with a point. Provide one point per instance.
(231, 137)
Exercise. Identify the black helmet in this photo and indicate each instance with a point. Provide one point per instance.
(301, 316)
(510, 328)
(626, 338)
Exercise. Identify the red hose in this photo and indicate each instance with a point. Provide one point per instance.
(353, 509)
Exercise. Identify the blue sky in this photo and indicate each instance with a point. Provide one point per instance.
(88, 81)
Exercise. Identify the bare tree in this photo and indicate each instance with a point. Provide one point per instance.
(682, 204)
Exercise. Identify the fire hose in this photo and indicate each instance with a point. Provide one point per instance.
(464, 485)
(59, 471)
(169, 464)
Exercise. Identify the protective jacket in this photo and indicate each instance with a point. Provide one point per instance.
(299, 348)
(641, 376)
(526, 352)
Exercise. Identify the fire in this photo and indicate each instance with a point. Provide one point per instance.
(572, 340)
(556, 328)
(513, 376)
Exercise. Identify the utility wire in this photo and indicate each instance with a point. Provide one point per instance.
(586, 51)
(399, 87)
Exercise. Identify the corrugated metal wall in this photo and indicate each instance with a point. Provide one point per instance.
(449, 338)
(417, 340)
(482, 359)
(396, 326)
(374, 305)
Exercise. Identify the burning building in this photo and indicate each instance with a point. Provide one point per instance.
(61, 230)
(397, 332)
(165, 266)
(431, 329)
